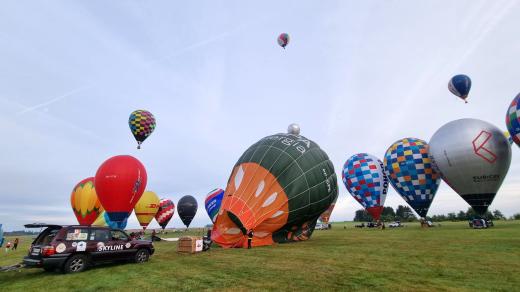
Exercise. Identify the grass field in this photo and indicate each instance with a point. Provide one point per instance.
(448, 258)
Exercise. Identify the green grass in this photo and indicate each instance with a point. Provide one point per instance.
(448, 258)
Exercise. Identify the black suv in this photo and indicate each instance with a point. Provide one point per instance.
(73, 248)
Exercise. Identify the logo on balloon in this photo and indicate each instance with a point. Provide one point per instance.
(479, 147)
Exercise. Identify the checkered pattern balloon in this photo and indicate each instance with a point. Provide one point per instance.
(412, 174)
(142, 124)
(513, 120)
(366, 180)
(165, 213)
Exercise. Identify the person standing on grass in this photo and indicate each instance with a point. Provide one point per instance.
(249, 238)
(15, 244)
(7, 246)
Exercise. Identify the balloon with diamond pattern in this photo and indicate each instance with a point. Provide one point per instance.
(142, 124)
(365, 178)
(412, 174)
(513, 120)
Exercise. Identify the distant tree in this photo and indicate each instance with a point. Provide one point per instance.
(471, 214)
(497, 215)
(388, 214)
(404, 213)
(516, 216)
(461, 216)
(452, 216)
(437, 218)
(362, 216)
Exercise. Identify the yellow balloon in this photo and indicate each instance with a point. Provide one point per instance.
(100, 221)
(85, 202)
(146, 208)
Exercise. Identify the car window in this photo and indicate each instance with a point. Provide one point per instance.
(119, 235)
(77, 234)
(99, 234)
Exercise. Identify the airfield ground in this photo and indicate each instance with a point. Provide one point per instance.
(451, 257)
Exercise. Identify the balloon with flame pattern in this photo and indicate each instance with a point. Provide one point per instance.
(85, 202)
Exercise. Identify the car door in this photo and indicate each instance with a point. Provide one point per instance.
(99, 237)
(121, 246)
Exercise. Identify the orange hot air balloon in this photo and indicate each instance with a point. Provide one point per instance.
(146, 208)
(85, 202)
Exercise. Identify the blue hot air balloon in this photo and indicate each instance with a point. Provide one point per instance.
(113, 224)
(411, 173)
(513, 120)
(212, 203)
(460, 86)
(365, 178)
(1, 236)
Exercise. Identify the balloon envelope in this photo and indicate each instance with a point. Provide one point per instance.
(120, 182)
(165, 212)
(85, 202)
(187, 208)
(513, 119)
(473, 157)
(278, 189)
(325, 216)
(146, 208)
(283, 40)
(365, 178)
(103, 220)
(141, 123)
(460, 85)
(411, 173)
(1, 235)
(213, 202)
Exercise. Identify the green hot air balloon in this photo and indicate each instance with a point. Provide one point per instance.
(277, 189)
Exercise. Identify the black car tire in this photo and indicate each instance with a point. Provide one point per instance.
(142, 255)
(75, 264)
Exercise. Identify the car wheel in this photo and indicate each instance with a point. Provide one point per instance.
(75, 264)
(142, 256)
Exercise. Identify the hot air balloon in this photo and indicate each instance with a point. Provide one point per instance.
(120, 182)
(365, 178)
(411, 173)
(473, 157)
(283, 40)
(146, 208)
(1, 235)
(165, 212)
(103, 220)
(278, 189)
(100, 220)
(513, 119)
(508, 137)
(142, 124)
(187, 208)
(212, 203)
(325, 216)
(460, 86)
(85, 202)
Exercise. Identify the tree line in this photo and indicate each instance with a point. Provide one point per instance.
(405, 213)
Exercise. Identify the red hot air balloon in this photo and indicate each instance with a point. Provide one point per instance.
(120, 181)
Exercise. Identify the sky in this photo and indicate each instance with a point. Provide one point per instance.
(356, 76)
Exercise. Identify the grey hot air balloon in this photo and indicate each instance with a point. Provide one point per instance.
(473, 157)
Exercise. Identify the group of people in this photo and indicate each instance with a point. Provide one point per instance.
(11, 245)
